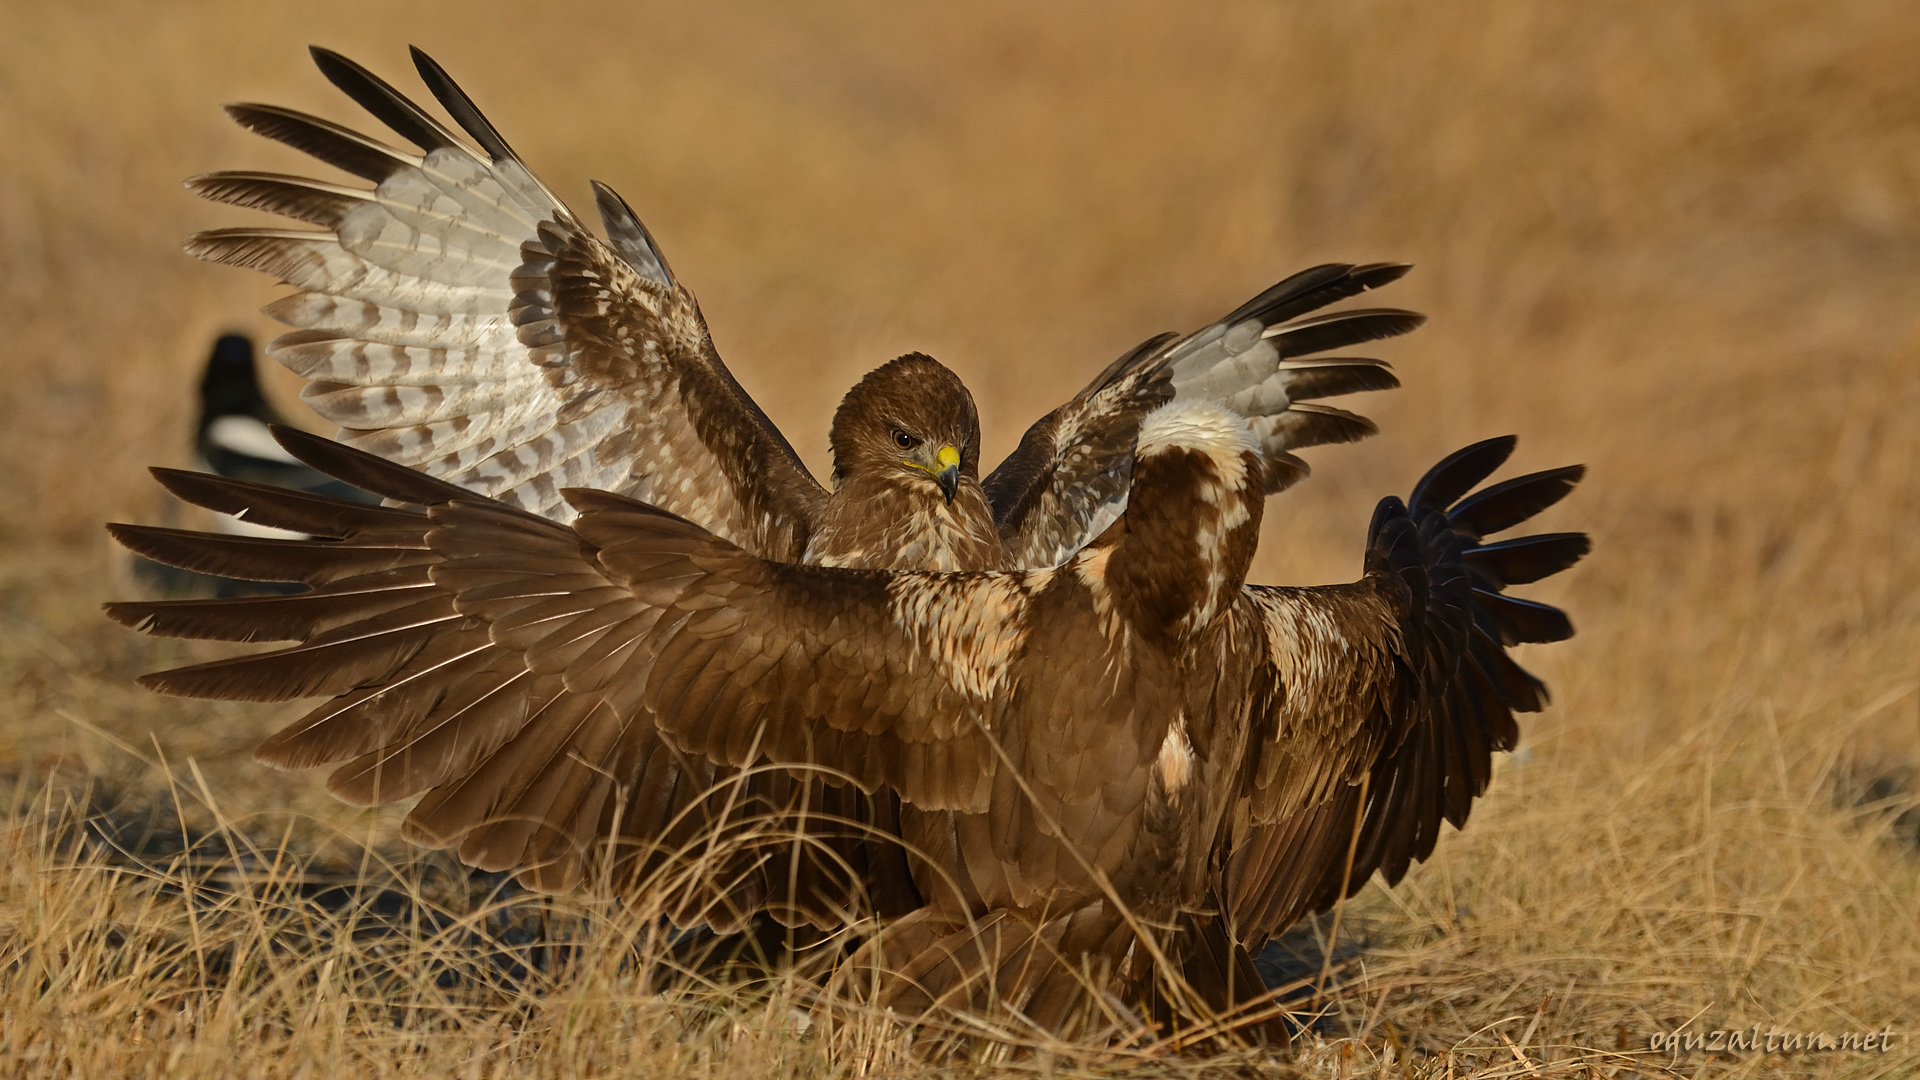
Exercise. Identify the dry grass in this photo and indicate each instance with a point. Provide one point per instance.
(1677, 242)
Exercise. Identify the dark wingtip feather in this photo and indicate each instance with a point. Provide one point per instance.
(629, 235)
(132, 537)
(460, 106)
(1518, 688)
(252, 558)
(154, 681)
(132, 616)
(299, 671)
(1284, 470)
(217, 493)
(1373, 275)
(203, 682)
(1524, 621)
(1456, 473)
(337, 146)
(304, 200)
(1527, 559)
(1306, 424)
(282, 508)
(200, 552)
(1286, 290)
(390, 106)
(1336, 377)
(1315, 288)
(1511, 502)
(1342, 328)
(253, 618)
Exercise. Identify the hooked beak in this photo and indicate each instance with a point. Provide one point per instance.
(945, 470)
(949, 474)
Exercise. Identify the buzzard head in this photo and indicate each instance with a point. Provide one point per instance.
(910, 422)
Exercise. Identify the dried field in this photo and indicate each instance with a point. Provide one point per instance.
(1680, 243)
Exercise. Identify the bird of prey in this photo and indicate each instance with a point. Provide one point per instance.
(458, 318)
(1147, 763)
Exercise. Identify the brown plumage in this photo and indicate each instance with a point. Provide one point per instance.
(1143, 756)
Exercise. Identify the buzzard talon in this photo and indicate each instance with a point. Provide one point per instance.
(608, 626)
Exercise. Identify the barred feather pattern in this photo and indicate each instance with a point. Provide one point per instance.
(458, 318)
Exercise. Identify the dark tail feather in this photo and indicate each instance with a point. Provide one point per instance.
(1220, 973)
(1081, 973)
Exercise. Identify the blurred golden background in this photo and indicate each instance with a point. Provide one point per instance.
(1678, 242)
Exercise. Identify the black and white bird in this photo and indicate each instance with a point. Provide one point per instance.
(231, 439)
(231, 436)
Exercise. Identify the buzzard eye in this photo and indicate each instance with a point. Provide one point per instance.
(903, 440)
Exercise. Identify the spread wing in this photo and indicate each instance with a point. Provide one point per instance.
(546, 686)
(458, 318)
(1380, 702)
(1069, 477)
